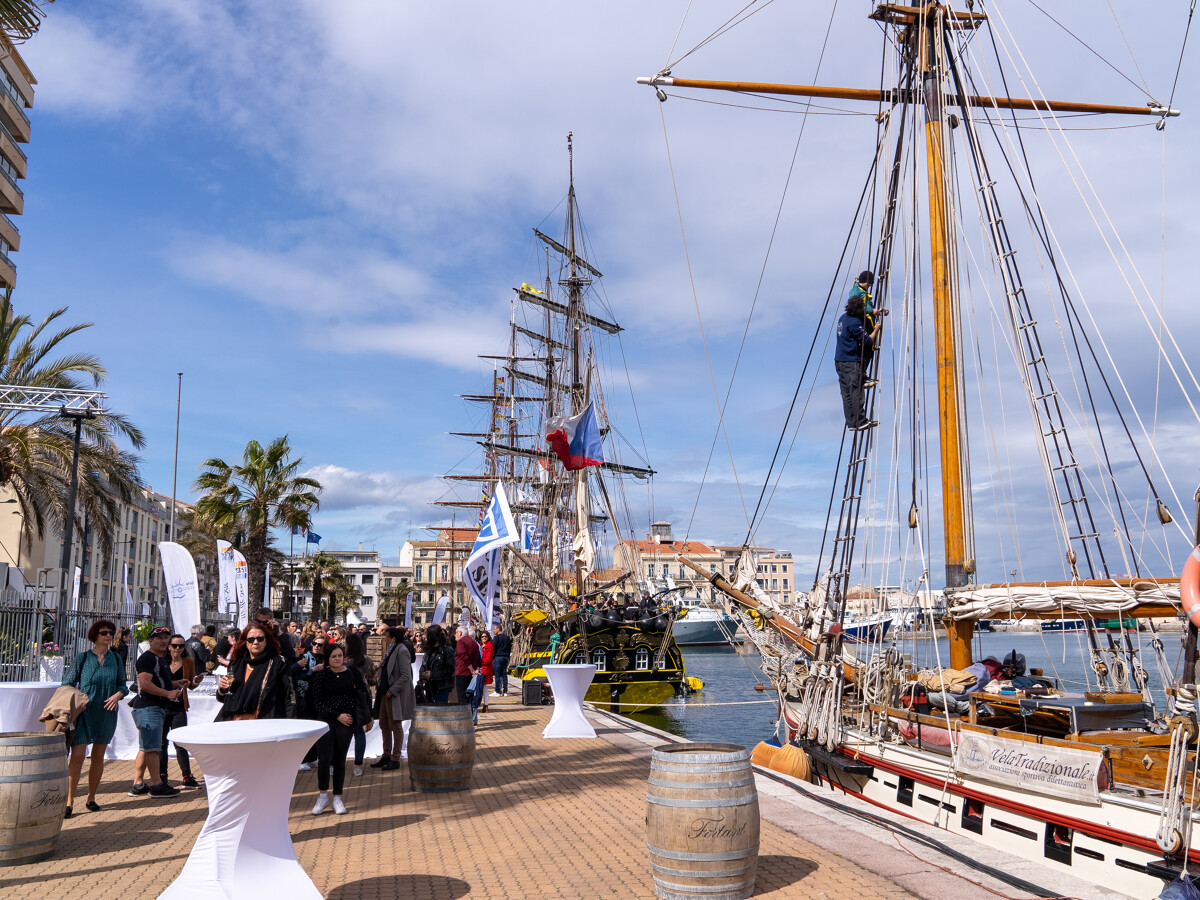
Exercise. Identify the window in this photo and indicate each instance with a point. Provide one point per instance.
(650, 570)
(421, 570)
(785, 570)
(785, 584)
(445, 572)
(350, 579)
(641, 659)
(580, 659)
(440, 553)
(424, 553)
(458, 572)
(759, 582)
(774, 584)
(600, 660)
(387, 582)
(773, 568)
(370, 579)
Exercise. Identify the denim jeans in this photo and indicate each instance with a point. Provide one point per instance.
(500, 672)
(149, 722)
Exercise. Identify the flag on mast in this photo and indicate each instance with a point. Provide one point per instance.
(482, 570)
(576, 439)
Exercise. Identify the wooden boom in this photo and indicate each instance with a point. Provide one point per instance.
(894, 96)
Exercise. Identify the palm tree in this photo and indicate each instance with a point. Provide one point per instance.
(36, 449)
(343, 595)
(318, 568)
(391, 599)
(20, 19)
(261, 492)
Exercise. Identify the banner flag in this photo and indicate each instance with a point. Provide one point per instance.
(179, 571)
(267, 589)
(225, 599)
(408, 610)
(129, 610)
(482, 570)
(439, 611)
(241, 589)
(75, 590)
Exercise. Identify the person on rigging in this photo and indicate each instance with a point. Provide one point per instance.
(862, 288)
(854, 345)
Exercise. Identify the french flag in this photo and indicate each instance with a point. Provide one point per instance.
(576, 439)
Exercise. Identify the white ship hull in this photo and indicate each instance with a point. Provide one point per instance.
(1109, 844)
(693, 632)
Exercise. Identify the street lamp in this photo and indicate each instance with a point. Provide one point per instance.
(60, 621)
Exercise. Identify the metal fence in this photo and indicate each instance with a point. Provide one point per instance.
(28, 622)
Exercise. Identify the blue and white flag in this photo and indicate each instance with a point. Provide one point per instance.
(482, 569)
(408, 601)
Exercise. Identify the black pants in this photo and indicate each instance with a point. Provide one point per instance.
(850, 379)
(460, 687)
(174, 720)
(332, 752)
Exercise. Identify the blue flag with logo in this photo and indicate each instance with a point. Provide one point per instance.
(313, 537)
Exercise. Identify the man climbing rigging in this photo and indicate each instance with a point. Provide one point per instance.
(854, 346)
(862, 288)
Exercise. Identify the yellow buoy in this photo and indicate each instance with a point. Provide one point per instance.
(693, 683)
(791, 760)
(763, 754)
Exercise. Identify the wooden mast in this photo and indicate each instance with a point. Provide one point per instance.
(924, 30)
(573, 323)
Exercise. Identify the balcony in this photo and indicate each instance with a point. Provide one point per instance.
(14, 154)
(16, 69)
(13, 117)
(12, 198)
(8, 272)
(10, 233)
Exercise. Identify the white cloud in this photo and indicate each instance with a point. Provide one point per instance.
(81, 73)
(346, 489)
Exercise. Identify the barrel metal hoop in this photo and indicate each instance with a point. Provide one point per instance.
(417, 732)
(700, 785)
(31, 741)
(43, 776)
(709, 769)
(31, 756)
(700, 804)
(687, 890)
(447, 766)
(705, 873)
(703, 857)
(703, 759)
(24, 844)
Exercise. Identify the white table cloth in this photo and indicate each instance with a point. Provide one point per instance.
(570, 684)
(21, 702)
(203, 709)
(244, 850)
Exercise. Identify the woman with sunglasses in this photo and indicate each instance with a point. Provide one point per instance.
(258, 685)
(183, 669)
(99, 674)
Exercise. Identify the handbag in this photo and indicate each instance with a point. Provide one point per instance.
(250, 717)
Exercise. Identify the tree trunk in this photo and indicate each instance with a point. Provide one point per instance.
(256, 563)
(316, 597)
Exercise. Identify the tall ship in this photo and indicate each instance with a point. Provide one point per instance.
(547, 436)
(997, 413)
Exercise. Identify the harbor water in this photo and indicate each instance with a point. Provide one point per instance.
(729, 709)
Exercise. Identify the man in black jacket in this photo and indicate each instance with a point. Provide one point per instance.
(502, 645)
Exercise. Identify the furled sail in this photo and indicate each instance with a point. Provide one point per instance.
(1004, 601)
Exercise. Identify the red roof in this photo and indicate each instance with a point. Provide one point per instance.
(668, 547)
(458, 534)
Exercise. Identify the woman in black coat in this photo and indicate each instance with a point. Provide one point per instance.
(258, 685)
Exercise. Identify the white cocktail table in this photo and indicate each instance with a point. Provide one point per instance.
(22, 702)
(244, 850)
(570, 684)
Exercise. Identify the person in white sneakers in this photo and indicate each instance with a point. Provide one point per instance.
(337, 696)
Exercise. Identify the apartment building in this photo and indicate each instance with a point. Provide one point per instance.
(16, 96)
(657, 559)
(436, 569)
(361, 567)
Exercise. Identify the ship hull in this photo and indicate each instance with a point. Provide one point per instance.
(690, 633)
(1110, 844)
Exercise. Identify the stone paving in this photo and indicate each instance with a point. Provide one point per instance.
(544, 819)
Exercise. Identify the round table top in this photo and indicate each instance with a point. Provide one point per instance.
(570, 667)
(27, 685)
(256, 731)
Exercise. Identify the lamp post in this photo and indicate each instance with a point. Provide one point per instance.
(60, 621)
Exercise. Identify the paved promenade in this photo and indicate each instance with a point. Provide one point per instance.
(544, 819)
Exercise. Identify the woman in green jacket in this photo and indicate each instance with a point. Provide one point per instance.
(99, 674)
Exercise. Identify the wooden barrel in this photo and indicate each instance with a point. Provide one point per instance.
(702, 822)
(791, 760)
(763, 754)
(33, 795)
(441, 749)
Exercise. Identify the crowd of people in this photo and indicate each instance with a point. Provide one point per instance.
(316, 671)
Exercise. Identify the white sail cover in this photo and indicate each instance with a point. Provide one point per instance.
(1107, 601)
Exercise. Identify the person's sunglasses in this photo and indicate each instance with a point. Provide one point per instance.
(177, 646)
(102, 633)
(256, 640)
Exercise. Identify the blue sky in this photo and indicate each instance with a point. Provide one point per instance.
(317, 212)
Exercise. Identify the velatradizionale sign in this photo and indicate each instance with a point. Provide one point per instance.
(1028, 766)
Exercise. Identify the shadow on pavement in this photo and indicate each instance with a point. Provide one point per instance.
(356, 827)
(776, 872)
(400, 886)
